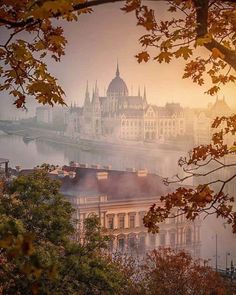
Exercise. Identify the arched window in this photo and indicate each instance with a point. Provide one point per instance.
(188, 236)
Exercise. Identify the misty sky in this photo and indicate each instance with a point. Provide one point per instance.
(95, 43)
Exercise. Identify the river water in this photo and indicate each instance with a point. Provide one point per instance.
(36, 152)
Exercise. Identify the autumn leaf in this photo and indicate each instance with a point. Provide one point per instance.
(131, 5)
(213, 90)
(203, 40)
(164, 56)
(184, 51)
(143, 56)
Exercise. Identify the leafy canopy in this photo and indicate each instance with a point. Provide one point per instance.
(37, 252)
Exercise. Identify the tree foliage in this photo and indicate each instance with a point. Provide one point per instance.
(192, 24)
(176, 273)
(33, 37)
(211, 197)
(37, 252)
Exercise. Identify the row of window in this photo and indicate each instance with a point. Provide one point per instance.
(170, 123)
(150, 123)
(121, 220)
(132, 220)
(131, 123)
(139, 244)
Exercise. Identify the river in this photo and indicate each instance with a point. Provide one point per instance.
(36, 152)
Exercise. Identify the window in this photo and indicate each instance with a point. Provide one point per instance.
(141, 244)
(122, 221)
(131, 242)
(152, 241)
(141, 215)
(172, 239)
(121, 244)
(110, 222)
(162, 239)
(188, 236)
(132, 220)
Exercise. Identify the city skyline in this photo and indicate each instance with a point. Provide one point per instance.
(94, 45)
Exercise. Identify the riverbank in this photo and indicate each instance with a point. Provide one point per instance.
(42, 134)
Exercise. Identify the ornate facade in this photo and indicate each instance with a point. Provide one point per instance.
(121, 199)
(204, 118)
(121, 116)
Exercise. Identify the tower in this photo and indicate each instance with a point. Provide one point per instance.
(87, 98)
(144, 98)
(96, 111)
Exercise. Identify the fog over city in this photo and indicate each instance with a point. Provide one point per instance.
(123, 120)
(95, 44)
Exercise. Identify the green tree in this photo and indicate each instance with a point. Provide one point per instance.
(37, 252)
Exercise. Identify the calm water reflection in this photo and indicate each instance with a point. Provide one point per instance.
(33, 153)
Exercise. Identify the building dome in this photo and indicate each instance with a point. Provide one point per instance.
(117, 86)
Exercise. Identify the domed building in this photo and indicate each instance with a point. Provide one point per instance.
(119, 115)
(117, 86)
(109, 116)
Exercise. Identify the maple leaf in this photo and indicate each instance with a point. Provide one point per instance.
(131, 5)
(143, 56)
(203, 40)
(213, 90)
(184, 51)
(164, 56)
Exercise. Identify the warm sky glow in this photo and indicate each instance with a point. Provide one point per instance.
(99, 39)
(95, 43)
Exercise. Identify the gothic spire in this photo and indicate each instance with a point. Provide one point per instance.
(87, 98)
(144, 93)
(96, 89)
(117, 70)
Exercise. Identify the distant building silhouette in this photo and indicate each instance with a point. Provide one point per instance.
(119, 115)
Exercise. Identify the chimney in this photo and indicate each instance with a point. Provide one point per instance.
(83, 165)
(74, 164)
(95, 166)
(142, 172)
(18, 168)
(107, 167)
(102, 175)
(130, 169)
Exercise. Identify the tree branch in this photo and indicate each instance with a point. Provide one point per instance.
(202, 7)
(76, 7)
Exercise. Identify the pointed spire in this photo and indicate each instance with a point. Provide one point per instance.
(96, 89)
(87, 90)
(144, 93)
(87, 98)
(117, 70)
(93, 93)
